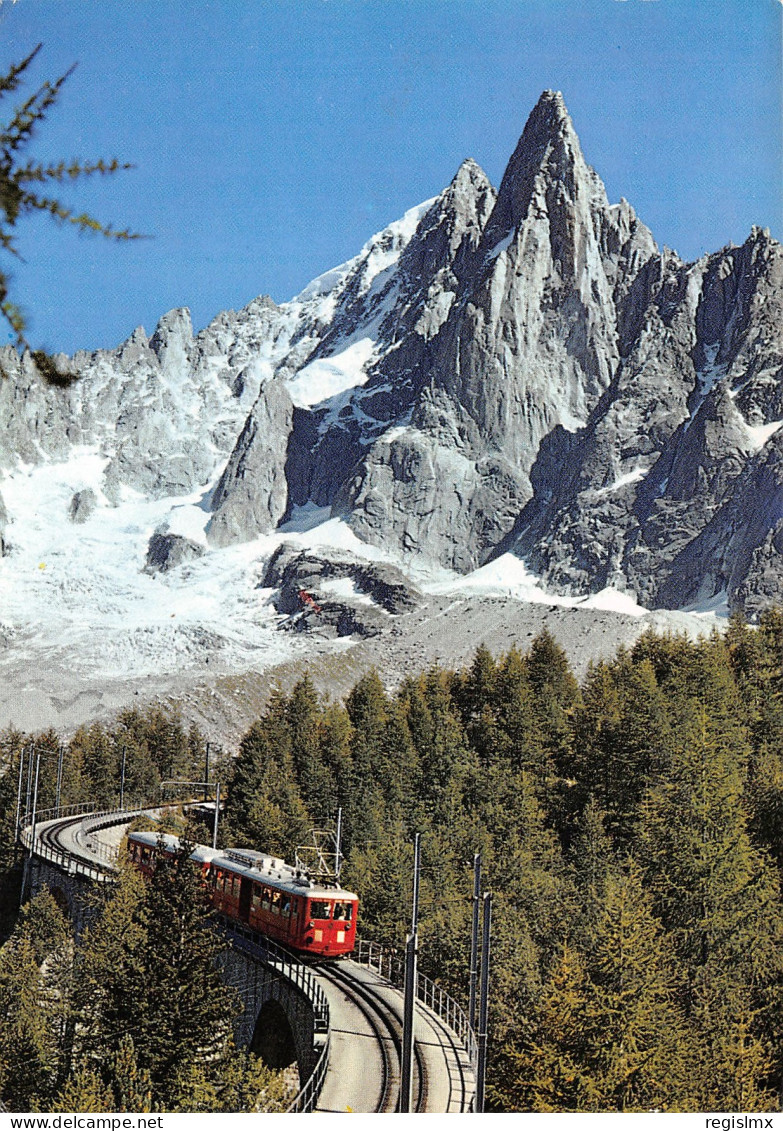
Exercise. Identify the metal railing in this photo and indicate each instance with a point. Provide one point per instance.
(272, 954)
(307, 1097)
(391, 966)
(104, 819)
(69, 861)
(64, 859)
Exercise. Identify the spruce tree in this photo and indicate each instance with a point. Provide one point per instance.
(84, 1091)
(184, 1011)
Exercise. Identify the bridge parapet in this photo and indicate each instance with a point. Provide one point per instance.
(313, 1055)
(389, 965)
(98, 859)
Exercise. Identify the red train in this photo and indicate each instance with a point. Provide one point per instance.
(265, 894)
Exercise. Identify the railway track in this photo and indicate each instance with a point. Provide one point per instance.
(460, 1090)
(362, 1014)
(385, 1020)
(50, 835)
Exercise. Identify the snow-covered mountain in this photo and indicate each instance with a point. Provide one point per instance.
(517, 375)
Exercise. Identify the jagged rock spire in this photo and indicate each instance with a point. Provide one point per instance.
(548, 151)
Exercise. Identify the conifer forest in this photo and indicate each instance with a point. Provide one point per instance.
(631, 831)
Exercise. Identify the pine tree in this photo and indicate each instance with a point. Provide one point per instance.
(710, 885)
(640, 1044)
(184, 1011)
(84, 1092)
(335, 739)
(591, 859)
(517, 735)
(109, 967)
(27, 1052)
(130, 1085)
(264, 806)
(553, 1070)
(435, 769)
(475, 694)
(248, 1085)
(719, 899)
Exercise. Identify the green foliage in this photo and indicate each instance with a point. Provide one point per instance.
(34, 999)
(630, 829)
(625, 827)
(85, 1091)
(135, 1017)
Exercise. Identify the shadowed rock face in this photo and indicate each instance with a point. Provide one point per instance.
(336, 594)
(519, 369)
(82, 505)
(167, 551)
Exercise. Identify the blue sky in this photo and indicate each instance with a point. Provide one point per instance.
(271, 138)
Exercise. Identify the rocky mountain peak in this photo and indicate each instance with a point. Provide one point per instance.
(520, 370)
(173, 336)
(469, 181)
(548, 156)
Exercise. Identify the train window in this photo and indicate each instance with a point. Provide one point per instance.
(343, 910)
(294, 908)
(256, 897)
(285, 906)
(266, 899)
(276, 901)
(145, 855)
(320, 909)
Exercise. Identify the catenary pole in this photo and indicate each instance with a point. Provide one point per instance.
(19, 794)
(122, 778)
(26, 887)
(35, 798)
(411, 978)
(29, 780)
(338, 843)
(217, 814)
(474, 940)
(481, 1073)
(206, 772)
(59, 787)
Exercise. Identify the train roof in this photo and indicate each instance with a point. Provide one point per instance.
(253, 864)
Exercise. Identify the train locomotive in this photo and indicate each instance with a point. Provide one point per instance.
(309, 914)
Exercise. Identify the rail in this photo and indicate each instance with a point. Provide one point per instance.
(390, 965)
(69, 861)
(386, 962)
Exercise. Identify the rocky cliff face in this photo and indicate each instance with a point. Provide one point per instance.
(671, 490)
(516, 370)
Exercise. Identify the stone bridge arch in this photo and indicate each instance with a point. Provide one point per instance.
(278, 1020)
(284, 1014)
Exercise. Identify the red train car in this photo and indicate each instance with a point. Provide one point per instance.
(265, 894)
